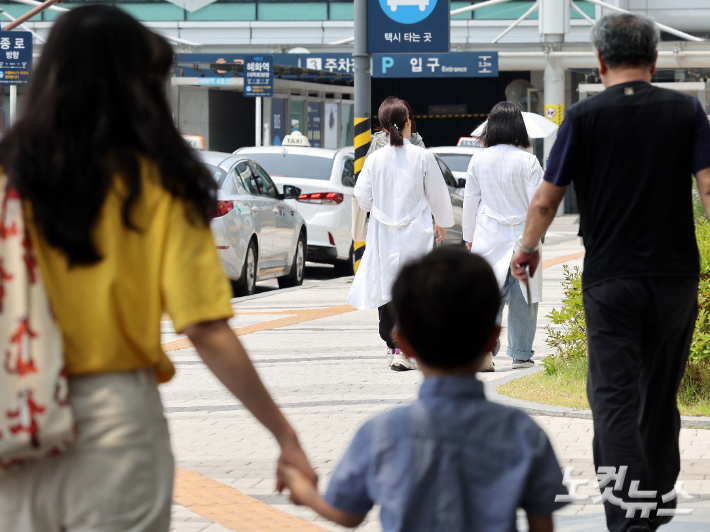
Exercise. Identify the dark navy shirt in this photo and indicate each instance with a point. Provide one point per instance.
(631, 151)
(451, 462)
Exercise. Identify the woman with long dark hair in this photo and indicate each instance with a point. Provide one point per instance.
(401, 186)
(502, 180)
(118, 209)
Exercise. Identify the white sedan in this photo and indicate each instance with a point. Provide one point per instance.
(326, 180)
(257, 234)
(456, 158)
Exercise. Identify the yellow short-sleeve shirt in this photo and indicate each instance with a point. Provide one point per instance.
(110, 312)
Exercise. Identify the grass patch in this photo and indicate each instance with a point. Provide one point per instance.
(567, 386)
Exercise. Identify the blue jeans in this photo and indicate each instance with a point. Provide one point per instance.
(521, 325)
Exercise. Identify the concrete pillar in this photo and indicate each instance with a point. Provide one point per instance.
(554, 97)
(194, 112)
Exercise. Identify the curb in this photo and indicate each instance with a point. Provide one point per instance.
(539, 409)
(278, 291)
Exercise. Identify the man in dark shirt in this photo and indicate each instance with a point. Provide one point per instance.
(631, 152)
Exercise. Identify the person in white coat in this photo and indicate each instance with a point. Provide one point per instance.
(502, 180)
(402, 187)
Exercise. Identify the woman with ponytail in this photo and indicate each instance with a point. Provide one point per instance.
(402, 187)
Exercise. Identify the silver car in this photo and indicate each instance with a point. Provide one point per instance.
(258, 236)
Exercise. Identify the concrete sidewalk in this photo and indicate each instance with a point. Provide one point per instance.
(324, 363)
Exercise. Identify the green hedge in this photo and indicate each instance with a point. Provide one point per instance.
(567, 335)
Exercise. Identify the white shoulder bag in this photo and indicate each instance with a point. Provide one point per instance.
(35, 418)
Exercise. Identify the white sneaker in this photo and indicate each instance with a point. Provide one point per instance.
(390, 353)
(488, 365)
(402, 363)
(520, 364)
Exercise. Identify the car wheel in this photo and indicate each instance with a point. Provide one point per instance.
(247, 281)
(345, 268)
(298, 267)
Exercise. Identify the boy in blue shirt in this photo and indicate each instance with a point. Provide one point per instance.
(451, 461)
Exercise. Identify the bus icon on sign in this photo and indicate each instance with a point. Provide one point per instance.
(393, 4)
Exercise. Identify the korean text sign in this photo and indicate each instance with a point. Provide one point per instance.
(407, 26)
(15, 57)
(259, 75)
(453, 65)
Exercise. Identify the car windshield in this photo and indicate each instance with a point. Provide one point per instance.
(458, 162)
(217, 173)
(294, 165)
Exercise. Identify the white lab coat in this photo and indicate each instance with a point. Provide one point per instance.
(401, 188)
(501, 182)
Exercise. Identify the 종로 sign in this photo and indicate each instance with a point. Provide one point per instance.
(15, 57)
(453, 65)
(407, 26)
(259, 75)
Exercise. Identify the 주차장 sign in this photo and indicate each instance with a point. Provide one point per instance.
(407, 26)
(259, 75)
(453, 65)
(15, 57)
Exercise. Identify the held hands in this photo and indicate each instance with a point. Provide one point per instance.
(439, 233)
(293, 457)
(520, 260)
(303, 491)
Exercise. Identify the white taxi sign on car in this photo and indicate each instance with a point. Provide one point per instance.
(295, 139)
(195, 141)
(470, 142)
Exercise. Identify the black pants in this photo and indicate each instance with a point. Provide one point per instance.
(387, 321)
(639, 332)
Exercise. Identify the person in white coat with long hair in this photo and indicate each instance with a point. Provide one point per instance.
(402, 187)
(502, 180)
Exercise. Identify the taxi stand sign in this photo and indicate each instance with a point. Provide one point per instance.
(408, 26)
(259, 75)
(15, 57)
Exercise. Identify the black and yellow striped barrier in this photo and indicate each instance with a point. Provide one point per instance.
(362, 144)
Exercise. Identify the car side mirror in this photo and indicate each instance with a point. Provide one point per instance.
(461, 183)
(291, 192)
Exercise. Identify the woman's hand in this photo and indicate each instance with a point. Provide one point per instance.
(440, 233)
(292, 456)
(303, 492)
(468, 245)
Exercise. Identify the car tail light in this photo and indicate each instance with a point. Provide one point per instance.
(332, 240)
(223, 207)
(331, 198)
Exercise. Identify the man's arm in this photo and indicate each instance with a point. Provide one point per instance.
(541, 212)
(304, 493)
(703, 179)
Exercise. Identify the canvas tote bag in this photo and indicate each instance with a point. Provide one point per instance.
(35, 417)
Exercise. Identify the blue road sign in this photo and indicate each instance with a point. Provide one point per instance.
(407, 26)
(15, 57)
(453, 65)
(259, 75)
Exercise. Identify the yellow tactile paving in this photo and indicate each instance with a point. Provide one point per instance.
(560, 260)
(300, 316)
(230, 508)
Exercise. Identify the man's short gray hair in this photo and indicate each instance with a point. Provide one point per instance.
(626, 39)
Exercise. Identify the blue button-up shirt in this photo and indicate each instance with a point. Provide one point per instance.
(452, 461)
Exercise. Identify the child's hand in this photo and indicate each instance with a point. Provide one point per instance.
(303, 492)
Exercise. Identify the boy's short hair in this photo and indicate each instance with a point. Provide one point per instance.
(446, 306)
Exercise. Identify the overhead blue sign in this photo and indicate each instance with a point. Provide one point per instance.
(15, 57)
(407, 26)
(453, 65)
(214, 81)
(259, 75)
